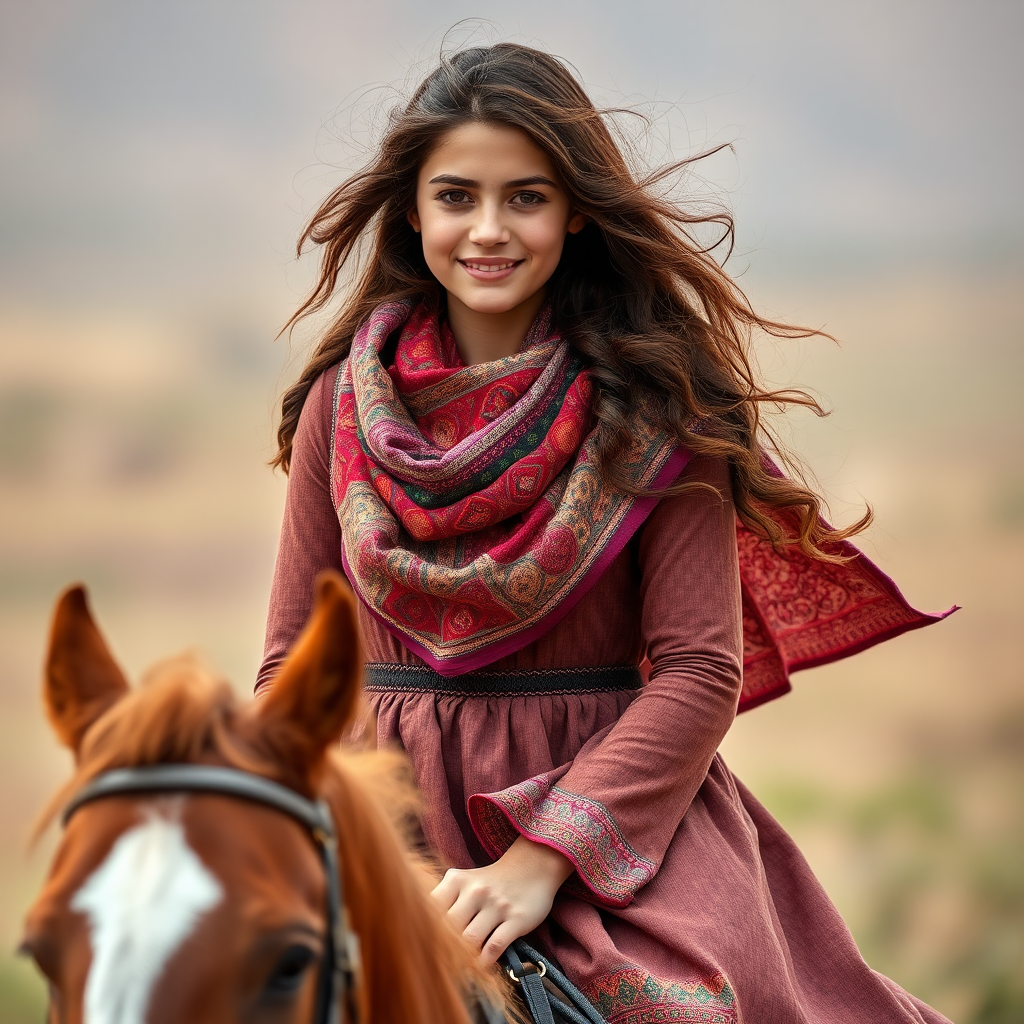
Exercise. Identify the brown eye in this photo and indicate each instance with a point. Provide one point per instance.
(454, 198)
(290, 970)
(528, 199)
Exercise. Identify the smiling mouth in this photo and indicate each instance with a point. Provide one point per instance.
(488, 267)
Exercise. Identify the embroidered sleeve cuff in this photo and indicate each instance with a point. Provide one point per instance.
(582, 829)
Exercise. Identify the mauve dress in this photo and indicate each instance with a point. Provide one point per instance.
(689, 901)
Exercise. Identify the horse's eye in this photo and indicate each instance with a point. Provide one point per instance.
(290, 969)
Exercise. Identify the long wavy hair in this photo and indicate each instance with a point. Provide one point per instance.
(661, 326)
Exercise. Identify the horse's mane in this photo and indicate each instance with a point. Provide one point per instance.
(415, 969)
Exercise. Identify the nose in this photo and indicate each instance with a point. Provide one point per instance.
(489, 228)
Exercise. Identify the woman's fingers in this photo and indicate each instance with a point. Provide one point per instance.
(464, 909)
(465, 897)
(501, 938)
(474, 909)
(478, 931)
(493, 905)
(446, 892)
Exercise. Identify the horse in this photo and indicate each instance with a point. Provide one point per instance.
(194, 879)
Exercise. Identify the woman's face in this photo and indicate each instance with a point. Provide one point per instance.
(493, 216)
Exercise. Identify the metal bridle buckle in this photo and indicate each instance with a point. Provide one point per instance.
(540, 970)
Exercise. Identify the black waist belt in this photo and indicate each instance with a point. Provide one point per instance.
(389, 678)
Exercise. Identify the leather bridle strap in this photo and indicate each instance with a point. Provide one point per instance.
(341, 954)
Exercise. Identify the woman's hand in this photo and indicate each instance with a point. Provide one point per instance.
(493, 905)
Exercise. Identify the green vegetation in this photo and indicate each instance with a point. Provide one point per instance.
(22, 992)
(932, 876)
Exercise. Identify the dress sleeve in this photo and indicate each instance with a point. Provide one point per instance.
(310, 533)
(614, 809)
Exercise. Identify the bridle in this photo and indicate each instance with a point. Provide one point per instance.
(340, 964)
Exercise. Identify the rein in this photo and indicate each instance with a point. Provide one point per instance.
(340, 964)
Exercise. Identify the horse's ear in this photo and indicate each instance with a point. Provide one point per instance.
(82, 680)
(313, 697)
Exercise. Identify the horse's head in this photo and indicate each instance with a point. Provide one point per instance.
(204, 907)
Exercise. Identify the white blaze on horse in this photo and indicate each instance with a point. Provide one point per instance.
(191, 885)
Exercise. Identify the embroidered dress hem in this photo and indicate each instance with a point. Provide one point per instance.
(632, 995)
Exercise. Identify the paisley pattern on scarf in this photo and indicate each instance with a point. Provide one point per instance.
(473, 516)
(632, 995)
(799, 612)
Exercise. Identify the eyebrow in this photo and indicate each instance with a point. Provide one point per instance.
(454, 179)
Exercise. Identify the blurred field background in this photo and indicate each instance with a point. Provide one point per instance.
(159, 159)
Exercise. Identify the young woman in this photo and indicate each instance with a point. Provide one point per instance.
(530, 437)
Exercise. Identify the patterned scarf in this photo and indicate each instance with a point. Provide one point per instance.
(473, 516)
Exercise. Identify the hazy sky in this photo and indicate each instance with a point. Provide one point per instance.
(170, 150)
